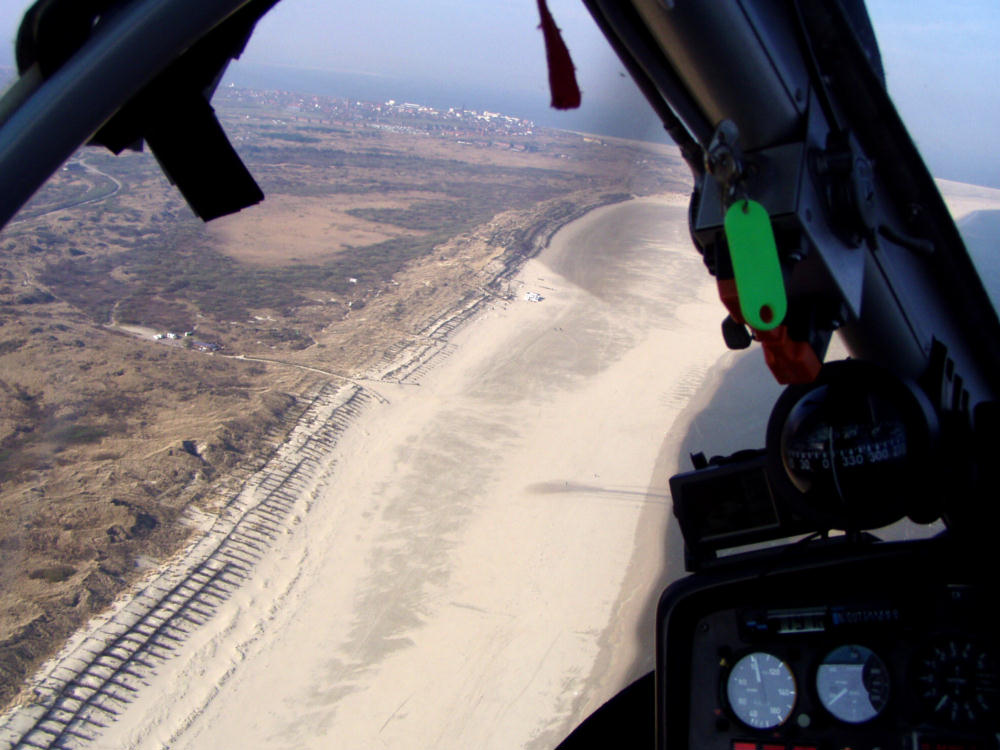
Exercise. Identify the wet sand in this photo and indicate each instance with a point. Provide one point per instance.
(469, 576)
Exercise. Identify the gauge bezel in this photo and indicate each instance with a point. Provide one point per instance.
(821, 699)
(728, 701)
(984, 720)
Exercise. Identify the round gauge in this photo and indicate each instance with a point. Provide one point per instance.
(957, 681)
(853, 684)
(761, 690)
(837, 442)
(853, 450)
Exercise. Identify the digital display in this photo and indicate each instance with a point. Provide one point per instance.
(756, 622)
(800, 621)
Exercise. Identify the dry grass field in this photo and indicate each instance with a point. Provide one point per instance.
(375, 223)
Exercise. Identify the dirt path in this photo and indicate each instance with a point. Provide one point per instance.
(117, 187)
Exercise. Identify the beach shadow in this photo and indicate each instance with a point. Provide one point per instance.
(559, 486)
(733, 419)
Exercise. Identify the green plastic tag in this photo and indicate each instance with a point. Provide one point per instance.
(759, 282)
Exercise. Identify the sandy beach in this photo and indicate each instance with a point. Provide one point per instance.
(468, 575)
(963, 199)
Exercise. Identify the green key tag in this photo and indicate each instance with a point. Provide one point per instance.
(759, 282)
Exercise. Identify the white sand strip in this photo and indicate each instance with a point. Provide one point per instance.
(962, 199)
(456, 584)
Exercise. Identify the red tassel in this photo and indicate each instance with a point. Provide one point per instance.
(562, 78)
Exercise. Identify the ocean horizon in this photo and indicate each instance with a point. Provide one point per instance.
(625, 115)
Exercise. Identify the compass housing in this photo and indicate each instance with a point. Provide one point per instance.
(855, 449)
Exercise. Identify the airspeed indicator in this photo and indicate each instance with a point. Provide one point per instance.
(761, 690)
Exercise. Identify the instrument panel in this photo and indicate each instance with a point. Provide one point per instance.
(839, 676)
(911, 667)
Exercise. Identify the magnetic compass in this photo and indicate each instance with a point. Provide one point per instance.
(854, 449)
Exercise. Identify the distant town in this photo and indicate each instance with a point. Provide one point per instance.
(466, 126)
(406, 117)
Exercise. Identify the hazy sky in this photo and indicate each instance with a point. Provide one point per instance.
(942, 59)
(942, 64)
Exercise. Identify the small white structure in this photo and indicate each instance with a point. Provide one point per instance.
(533, 297)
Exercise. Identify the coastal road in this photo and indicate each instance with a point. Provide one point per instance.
(95, 194)
(468, 576)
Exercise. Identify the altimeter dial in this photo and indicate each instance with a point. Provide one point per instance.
(853, 684)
